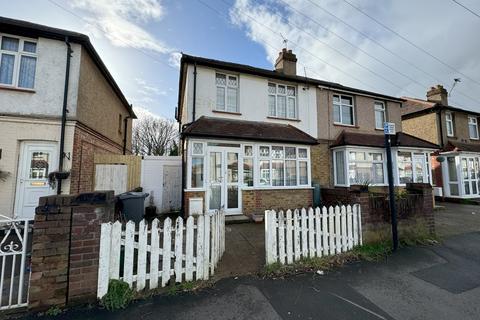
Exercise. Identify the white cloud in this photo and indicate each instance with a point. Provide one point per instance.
(121, 21)
(432, 24)
(142, 113)
(174, 59)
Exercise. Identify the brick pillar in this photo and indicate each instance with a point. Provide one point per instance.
(426, 191)
(65, 248)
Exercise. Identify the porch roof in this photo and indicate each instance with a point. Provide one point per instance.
(208, 127)
(459, 146)
(401, 139)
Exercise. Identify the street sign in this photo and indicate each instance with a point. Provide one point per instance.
(389, 128)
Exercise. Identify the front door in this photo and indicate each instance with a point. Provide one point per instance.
(470, 175)
(36, 161)
(223, 180)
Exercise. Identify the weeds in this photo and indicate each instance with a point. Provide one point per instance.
(119, 295)
(53, 311)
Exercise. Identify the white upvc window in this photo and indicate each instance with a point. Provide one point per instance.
(380, 117)
(365, 167)
(473, 127)
(343, 110)
(283, 166)
(282, 101)
(449, 124)
(18, 60)
(197, 165)
(339, 168)
(413, 167)
(227, 92)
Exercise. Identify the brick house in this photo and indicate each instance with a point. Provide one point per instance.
(255, 139)
(456, 165)
(51, 122)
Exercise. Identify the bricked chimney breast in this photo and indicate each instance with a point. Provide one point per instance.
(286, 62)
(438, 94)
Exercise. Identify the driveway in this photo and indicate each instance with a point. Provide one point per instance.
(439, 282)
(456, 219)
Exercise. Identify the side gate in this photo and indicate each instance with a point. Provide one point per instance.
(15, 249)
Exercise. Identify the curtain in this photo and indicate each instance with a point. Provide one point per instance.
(9, 44)
(26, 77)
(6, 68)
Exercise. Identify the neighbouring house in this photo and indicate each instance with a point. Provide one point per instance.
(59, 105)
(255, 139)
(456, 165)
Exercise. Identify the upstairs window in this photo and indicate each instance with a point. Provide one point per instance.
(473, 128)
(343, 110)
(282, 101)
(227, 92)
(449, 123)
(379, 115)
(18, 60)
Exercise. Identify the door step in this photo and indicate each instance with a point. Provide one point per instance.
(237, 219)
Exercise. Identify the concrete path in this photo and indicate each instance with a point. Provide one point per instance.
(456, 219)
(440, 282)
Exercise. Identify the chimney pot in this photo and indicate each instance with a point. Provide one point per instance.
(438, 94)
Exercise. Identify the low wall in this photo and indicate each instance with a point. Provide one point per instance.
(65, 248)
(414, 207)
(257, 201)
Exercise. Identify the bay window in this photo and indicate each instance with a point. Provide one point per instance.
(283, 166)
(405, 171)
(227, 92)
(412, 167)
(18, 61)
(379, 115)
(339, 161)
(282, 101)
(473, 128)
(343, 110)
(197, 165)
(365, 167)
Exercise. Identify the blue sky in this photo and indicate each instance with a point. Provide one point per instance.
(139, 41)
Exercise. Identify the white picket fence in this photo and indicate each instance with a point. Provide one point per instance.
(291, 236)
(152, 254)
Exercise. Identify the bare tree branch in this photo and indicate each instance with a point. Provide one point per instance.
(154, 137)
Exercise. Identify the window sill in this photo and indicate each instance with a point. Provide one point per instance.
(227, 112)
(287, 119)
(345, 125)
(277, 187)
(3, 87)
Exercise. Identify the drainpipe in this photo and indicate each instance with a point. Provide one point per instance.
(440, 125)
(64, 114)
(184, 164)
(194, 90)
(125, 127)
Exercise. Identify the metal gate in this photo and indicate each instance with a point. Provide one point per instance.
(15, 248)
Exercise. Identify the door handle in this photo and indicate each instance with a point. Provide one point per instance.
(22, 181)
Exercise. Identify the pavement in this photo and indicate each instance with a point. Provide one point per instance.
(430, 282)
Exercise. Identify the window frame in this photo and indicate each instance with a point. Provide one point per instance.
(192, 155)
(226, 87)
(17, 59)
(366, 161)
(449, 120)
(475, 123)
(287, 97)
(341, 105)
(382, 109)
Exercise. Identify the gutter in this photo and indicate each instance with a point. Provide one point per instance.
(64, 114)
(439, 122)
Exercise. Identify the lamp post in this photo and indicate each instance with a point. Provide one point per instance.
(389, 130)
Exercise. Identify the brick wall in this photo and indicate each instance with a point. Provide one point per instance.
(375, 210)
(86, 143)
(257, 201)
(65, 248)
(192, 194)
(321, 162)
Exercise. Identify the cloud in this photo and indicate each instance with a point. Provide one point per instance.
(121, 21)
(355, 60)
(174, 59)
(147, 89)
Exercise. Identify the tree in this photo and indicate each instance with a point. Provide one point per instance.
(153, 136)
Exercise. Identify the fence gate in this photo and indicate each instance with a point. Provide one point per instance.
(15, 248)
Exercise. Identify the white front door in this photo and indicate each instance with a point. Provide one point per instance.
(470, 175)
(36, 160)
(223, 181)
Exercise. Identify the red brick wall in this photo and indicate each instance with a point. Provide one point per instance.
(257, 201)
(86, 143)
(64, 274)
(192, 194)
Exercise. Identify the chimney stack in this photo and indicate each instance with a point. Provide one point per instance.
(286, 62)
(438, 94)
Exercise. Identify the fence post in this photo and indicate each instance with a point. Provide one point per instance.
(142, 255)
(154, 254)
(115, 250)
(318, 233)
(304, 234)
(296, 234)
(178, 249)
(281, 237)
(189, 250)
(129, 253)
(166, 251)
(325, 231)
(311, 234)
(289, 237)
(206, 249)
(104, 259)
(343, 220)
(349, 227)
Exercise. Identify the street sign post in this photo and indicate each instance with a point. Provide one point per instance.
(389, 130)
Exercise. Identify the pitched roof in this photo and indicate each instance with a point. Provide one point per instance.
(271, 74)
(401, 139)
(33, 30)
(414, 107)
(459, 146)
(208, 127)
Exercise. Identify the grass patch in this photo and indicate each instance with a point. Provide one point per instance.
(189, 286)
(119, 295)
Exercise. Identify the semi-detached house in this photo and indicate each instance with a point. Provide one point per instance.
(255, 139)
(59, 105)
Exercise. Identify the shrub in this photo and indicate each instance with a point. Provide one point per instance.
(119, 295)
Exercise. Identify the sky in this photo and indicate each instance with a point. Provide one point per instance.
(399, 48)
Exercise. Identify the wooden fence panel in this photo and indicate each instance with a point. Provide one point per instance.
(320, 232)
